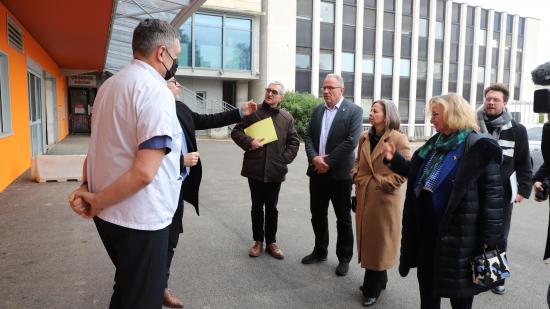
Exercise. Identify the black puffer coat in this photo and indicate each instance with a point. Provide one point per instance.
(473, 216)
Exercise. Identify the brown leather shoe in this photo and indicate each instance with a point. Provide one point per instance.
(171, 300)
(275, 251)
(256, 249)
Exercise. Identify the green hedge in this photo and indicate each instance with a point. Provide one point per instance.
(300, 106)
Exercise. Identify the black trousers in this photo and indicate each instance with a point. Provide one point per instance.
(506, 228)
(140, 261)
(374, 282)
(323, 189)
(174, 230)
(428, 229)
(264, 193)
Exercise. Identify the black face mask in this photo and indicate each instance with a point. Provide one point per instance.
(173, 69)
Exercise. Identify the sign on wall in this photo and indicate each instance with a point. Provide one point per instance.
(82, 81)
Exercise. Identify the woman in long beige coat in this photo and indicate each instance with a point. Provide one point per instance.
(379, 208)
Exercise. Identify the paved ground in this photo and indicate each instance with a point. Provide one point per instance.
(51, 258)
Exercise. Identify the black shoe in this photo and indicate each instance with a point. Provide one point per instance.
(313, 258)
(499, 289)
(342, 268)
(369, 301)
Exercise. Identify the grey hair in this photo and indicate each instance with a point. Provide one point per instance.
(280, 86)
(393, 121)
(151, 33)
(337, 77)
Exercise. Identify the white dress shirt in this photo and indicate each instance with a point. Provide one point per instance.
(328, 117)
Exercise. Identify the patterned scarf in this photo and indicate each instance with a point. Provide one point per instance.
(498, 123)
(438, 148)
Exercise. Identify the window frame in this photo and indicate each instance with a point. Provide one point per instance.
(5, 102)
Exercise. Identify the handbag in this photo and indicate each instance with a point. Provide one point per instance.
(490, 267)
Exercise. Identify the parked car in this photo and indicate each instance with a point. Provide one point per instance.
(534, 134)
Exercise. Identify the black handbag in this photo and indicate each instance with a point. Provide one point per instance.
(490, 268)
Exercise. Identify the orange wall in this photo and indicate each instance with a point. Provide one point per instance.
(15, 149)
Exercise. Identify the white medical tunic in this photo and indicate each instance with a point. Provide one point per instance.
(131, 107)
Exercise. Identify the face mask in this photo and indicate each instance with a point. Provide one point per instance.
(173, 69)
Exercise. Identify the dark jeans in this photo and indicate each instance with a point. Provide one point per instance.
(264, 193)
(139, 258)
(374, 282)
(506, 228)
(323, 189)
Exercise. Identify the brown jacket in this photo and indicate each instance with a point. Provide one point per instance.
(379, 208)
(268, 163)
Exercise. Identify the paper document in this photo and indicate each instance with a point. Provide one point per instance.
(514, 185)
(262, 129)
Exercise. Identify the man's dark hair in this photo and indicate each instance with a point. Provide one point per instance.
(498, 87)
(151, 33)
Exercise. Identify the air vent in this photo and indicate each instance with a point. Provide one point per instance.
(15, 35)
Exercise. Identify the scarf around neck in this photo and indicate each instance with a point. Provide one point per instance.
(497, 123)
(440, 147)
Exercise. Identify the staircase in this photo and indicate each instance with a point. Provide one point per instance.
(202, 106)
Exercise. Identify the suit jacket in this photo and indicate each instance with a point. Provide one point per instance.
(191, 121)
(341, 141)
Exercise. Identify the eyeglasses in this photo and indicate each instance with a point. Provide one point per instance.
(329, 88)
(268, 90)
(176, 83)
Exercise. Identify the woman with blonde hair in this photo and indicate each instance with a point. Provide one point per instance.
(453, 208)
(378, 199)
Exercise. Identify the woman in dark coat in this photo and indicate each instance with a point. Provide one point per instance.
(453, 206)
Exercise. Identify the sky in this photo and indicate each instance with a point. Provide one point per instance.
(539, 9)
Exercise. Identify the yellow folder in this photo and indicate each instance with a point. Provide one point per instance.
(262, 129)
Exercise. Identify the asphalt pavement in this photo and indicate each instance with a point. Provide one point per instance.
(51, 258)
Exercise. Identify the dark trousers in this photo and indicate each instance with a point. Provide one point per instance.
(507, 222)
(323, 189)
(428, 228)
(174, 230)
(264, 193)
(140, 261)
(374, 282)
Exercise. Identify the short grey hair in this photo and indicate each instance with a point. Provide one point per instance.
(337, 77)
(152, 33)
(393, 121)
(280, 86)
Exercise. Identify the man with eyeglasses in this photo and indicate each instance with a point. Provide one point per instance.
(131, 175)
(331, 138)
(265, 166)
(189, 122)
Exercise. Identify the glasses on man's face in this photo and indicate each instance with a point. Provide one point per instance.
(329, 88)
(175, 82)
(268, 90)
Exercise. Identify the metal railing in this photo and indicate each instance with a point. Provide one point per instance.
(201, 106)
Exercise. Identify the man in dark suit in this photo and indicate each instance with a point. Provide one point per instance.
(191, 121)
(330, 141)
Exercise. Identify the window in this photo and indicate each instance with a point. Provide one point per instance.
(387, 66)
(304, 8)
(370, 18)
(480, 74)
(482, 34)
(349, 15)
(387, 43)
(208, 41)
(325, 61)
(405, 70)
(327, 36)
(404, 110)
(327, 12)
(237, 44)
(406, 26)
(369, 41)
(368, 64)
(496, 22)
(389, 5)
(5, 112)
(303, 58)
(219, 41)
(424, 8)
(348, 62)
(389, 21)
(438, 70)
(439, 30)
(423, 28)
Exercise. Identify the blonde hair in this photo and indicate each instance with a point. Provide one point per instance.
(458, 113)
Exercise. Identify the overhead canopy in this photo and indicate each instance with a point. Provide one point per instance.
(88, 35)
(128, 15)
(74, 33)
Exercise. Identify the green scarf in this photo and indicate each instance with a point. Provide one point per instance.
(442, 145)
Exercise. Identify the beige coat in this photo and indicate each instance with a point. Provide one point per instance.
(379, 208)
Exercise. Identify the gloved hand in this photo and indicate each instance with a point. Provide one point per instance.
(403, 269)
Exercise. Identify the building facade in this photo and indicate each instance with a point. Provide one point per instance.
(403, 50)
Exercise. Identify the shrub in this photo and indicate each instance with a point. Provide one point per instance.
(300, 106)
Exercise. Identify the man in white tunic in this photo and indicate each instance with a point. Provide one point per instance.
(132, 174)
